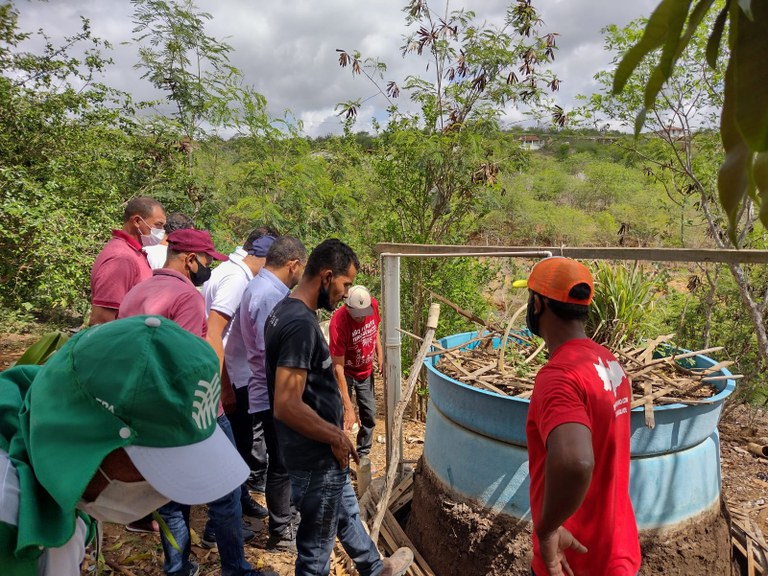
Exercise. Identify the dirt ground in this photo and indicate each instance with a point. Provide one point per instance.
(745, 482)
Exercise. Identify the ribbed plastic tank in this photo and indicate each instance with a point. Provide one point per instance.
(475, 444)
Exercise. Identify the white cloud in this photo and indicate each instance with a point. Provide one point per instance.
(287, 50)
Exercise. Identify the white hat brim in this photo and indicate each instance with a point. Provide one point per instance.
(193, 474)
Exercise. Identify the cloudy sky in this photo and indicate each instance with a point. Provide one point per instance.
(286, 48)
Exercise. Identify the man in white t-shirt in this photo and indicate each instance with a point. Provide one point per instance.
(222, 294)
(157, 253)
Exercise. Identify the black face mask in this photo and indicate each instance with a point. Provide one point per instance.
(324, 299)
(202, 275)
(532, 319)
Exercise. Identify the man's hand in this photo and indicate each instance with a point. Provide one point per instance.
(552, 547)
(228, 401)
(342, 449)
(349, 415)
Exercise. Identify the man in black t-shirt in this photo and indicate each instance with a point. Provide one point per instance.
(309, 414)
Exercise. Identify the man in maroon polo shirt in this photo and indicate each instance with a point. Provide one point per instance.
(171, 291)
(122, 264)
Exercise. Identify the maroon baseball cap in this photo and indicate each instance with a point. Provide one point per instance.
(190, 240)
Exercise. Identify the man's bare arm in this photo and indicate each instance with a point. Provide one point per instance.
(349, 410)
(101, 315)
(379, 354)
(217, 323)
(567, 474)
(291, 410)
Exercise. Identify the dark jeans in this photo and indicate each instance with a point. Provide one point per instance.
(278, 486)
(328, 507)
(224, 516)
(250, 445)
(259, 456)
(366, 404)
(249, 437)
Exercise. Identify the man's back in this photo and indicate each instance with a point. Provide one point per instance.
(259, 298)
(224, 290)
(169, 294)
(119, 267)
(584, 384)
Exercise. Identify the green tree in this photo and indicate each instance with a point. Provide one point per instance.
(192, 68)
(431, 166)
(682, 120)
(60, 158)
(673, 26)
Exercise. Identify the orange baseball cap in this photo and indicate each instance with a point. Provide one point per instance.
(554, 278)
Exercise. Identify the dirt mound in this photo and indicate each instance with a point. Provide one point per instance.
(702, 546)
(458, 537)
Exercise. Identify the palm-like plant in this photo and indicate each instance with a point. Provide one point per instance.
(621, 305)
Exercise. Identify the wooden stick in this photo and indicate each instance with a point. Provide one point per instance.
(657, 394)
(440, 350)
(684, 355)
(536, 353)
(401, 538)
(468, 315)
(481, 383)
(401, 495)
(503, 346)
(394, 460)
(122, 569)
(650, 420)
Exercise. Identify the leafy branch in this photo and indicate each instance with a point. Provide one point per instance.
(743, 175)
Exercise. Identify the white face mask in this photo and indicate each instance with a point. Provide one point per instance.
(154, 237)
(123, 502)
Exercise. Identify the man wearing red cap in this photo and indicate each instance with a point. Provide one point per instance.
(578, 436)
(172, 293)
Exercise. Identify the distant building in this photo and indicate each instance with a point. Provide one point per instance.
(672, 133)
(530, 142)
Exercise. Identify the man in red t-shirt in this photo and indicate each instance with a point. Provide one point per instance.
(122, 264)
(354, 339)
(578, 436)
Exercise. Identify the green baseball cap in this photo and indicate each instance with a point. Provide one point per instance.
(143, 384)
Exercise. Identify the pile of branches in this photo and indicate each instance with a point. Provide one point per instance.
(506, 362)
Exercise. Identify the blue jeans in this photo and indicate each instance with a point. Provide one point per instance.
(225, 516)
(328, 507)
(177, 517)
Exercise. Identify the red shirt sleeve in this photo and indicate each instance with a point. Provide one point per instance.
(558, 398)
(337, 333)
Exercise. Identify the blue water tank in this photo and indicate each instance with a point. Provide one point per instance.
(475, 444)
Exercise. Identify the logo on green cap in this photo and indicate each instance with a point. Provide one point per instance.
(205, 407)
